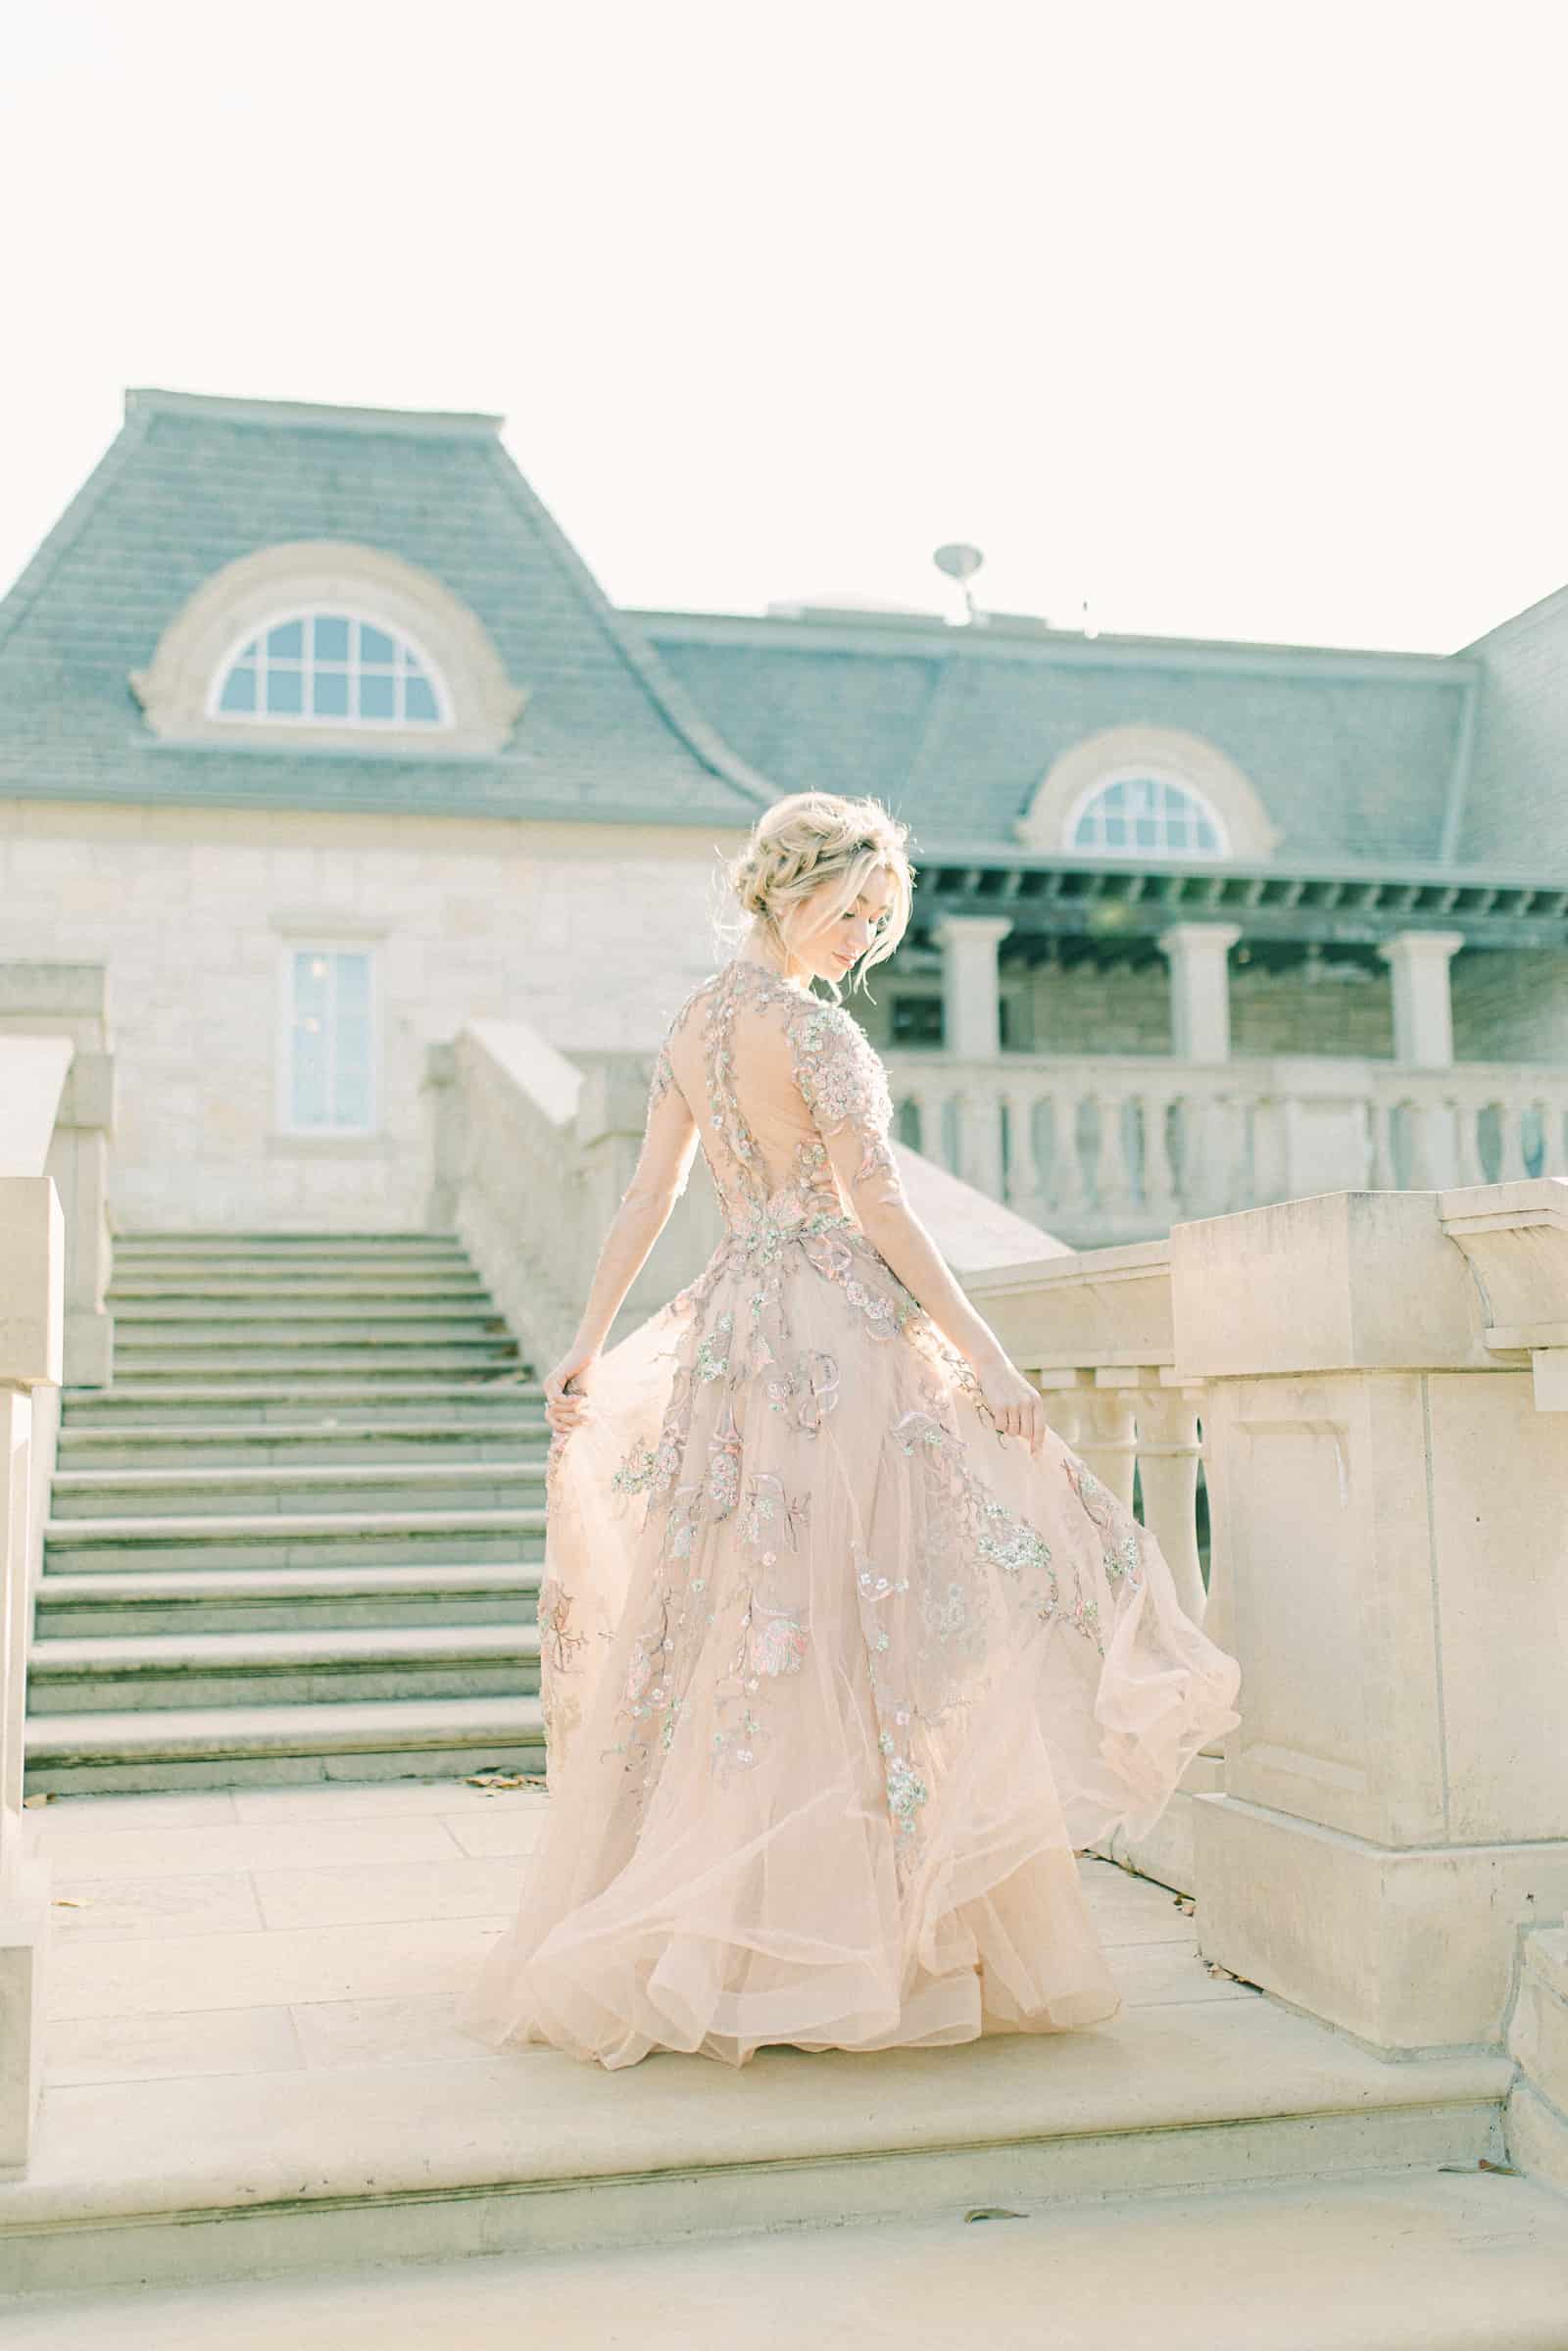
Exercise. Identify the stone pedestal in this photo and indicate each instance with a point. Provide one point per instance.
(1390, 1530)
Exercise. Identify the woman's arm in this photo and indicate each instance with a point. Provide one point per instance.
(669, 1140)
(845, 1089)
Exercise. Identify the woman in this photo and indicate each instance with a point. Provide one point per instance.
(844, 1653)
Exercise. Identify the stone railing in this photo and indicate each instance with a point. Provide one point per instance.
(1102, 1148)
(533, 1152)
(1381, 1383)
(56, 1012)
(35, 1074)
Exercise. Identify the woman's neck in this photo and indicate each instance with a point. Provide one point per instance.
(773, 958)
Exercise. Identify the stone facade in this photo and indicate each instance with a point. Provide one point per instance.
(591, 934)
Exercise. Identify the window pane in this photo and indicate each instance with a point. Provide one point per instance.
(421, 703)
(1116, 832)
(310, 1042)
(331, 637)
(1146, 832)
(239, 689)
(1114, 796)
(352, 1102)
(353, 986)
(375, 645)
(1207, 838)
(376, 696)
(286, 643)
(1177, 834)
(331, 693)
(285, 693)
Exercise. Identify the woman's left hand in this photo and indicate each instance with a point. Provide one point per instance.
(565, 1397)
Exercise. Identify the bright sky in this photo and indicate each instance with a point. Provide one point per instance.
(1236, 320)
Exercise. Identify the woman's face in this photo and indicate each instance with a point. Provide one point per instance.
(828, 944)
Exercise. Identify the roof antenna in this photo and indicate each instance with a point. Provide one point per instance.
(960, 562)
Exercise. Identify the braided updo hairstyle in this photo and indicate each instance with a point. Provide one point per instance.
(816, 841)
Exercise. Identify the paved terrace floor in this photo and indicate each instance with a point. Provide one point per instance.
(252, 1997)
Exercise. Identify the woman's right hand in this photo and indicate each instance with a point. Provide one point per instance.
(1013, 1402)
(564, 1399)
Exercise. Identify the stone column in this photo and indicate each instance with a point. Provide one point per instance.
(1423, 1012)
(1199, 989)
(970, 1000)
(1389, 1508)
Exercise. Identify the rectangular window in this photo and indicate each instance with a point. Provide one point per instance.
(329, 1082)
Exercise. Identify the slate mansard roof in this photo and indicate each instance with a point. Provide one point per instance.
(193, 484)
(1358, 758)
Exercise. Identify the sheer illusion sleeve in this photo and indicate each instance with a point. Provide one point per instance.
(844, 1087)
(669, 1138)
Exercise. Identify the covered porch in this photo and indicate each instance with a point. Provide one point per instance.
(1253, 1035)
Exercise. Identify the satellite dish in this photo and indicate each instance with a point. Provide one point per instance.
(959, 561)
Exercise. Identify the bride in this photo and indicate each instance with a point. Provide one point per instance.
(843, 1653)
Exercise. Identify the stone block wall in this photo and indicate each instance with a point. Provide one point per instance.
(593, 934)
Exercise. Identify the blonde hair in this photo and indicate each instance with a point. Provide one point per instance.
(813, 840)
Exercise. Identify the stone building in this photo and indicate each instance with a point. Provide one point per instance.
(318, 736)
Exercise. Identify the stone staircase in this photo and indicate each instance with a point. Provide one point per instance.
(300, 1535)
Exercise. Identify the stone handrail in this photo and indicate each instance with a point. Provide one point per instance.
(33, 1078)
(533, 1152)
(57, 1096)
(1107, 1147)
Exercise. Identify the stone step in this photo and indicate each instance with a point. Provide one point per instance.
(289, 1488)
(372, 1365)
(176, 1599)
(306, 1283)
(318, 1539)
(193, 1445)
(434, 2155)
(173, 1670)
(290, 1322)
(480, 1399)
(1386, 2261)
(225, 1342)
(282, 1244)
(276, 1747)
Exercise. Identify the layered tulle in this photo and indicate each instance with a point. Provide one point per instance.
(837, 1680)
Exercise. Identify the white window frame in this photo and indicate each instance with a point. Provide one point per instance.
(351, 722)
(321, 945)
(1144, 772)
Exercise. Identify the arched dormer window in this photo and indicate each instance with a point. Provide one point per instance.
(335, 647)
(330, 668)
(1145, 791)
(1146, 815)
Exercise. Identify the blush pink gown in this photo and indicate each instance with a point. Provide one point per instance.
(835, 1676)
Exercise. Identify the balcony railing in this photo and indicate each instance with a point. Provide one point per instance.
(1106, 1149)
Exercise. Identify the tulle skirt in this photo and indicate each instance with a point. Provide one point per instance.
(838, 1681)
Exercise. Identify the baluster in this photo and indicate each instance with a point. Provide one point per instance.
(1168, 1454)
(1067, 1198)
(1159, 1176)
(1093, 1158)
(1510, 1114)
(1023, 1168)
(980, 1139)
(1108, 1432)
(1467, 1140)
(1381, 1176)
(1555, 1160)
(1116, 1159)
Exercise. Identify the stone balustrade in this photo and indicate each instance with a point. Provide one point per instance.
(35, 1076)
(1381, 1383)
(1109, 1148)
